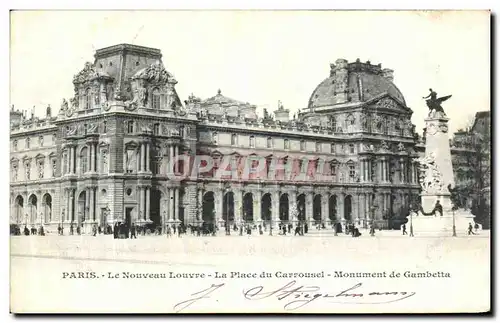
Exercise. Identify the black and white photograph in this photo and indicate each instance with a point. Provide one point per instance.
(250, 161)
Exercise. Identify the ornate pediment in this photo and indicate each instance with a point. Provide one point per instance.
(131, 144)
(155, 73)
(389, 103)
(89, 73)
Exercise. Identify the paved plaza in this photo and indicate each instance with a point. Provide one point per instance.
(38, 264)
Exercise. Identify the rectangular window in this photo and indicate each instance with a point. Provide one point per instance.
(332, 148)
(156, 129)
(233, 140)
(252, 142)
(104, 127)
(333, 169)
(318, 147)
(130, 126)
(352, 171)
(287, 144)
(269, 142)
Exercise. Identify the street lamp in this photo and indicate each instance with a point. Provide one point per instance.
(270, 221)
(228, 229)
(454, 228)
(411, 221)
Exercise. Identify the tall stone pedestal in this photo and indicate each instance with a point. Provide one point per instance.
(436, 175)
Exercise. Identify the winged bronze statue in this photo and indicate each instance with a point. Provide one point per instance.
(434, 103)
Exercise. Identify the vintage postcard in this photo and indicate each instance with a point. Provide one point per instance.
(250, 162)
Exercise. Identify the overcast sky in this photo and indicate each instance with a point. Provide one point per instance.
(261, 56)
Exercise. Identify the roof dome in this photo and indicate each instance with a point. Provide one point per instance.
(354, 82)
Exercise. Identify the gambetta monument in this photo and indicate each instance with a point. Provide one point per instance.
(436, 176)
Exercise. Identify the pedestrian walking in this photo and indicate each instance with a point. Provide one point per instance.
(403, 227)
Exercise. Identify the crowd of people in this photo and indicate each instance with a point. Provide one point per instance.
(121, 230)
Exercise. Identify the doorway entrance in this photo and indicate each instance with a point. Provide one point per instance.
(128, 216)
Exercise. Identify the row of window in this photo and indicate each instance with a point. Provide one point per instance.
(286, 144)
(28, 142)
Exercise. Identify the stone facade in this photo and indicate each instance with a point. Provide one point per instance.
(108, 155)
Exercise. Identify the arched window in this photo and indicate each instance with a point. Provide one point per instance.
(215, 140)
(156, 129)
(88, 99)
(234, 140)
(27, 143)
(104, 126)
(318, 147)
(156, 99)
(83, 160)
(252, 142)
(302, 145)
(269, 142)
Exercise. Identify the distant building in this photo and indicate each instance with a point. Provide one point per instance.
(106, 157)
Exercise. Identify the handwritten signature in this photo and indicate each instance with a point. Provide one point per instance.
(297, 296)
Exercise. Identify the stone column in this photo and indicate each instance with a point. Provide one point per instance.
(309, 207)
(362, 208)
(147, 215)
(92, 204)
(176, 203)
(256, 197)
(125, 160)
(147, 168)
(199, 211)
(324, 207)
(68, 200)
(71, 205)
(363, 170)
(292, 201)
(340, 207)
(402, 172)
(89, 158)
(275, 209)
(238, 200)
(170, 204)
(86, 210)
(170, 159)
(176, 152)
(92, 157)
(367, 206)
(143, 156)
(71, 159)
(143, 205)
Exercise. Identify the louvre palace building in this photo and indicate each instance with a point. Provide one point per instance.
(126, 148)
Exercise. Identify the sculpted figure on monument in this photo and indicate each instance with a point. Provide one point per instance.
(434, 103)
(430, 177)
(64, 105)
(401, 147)
(73, 102)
